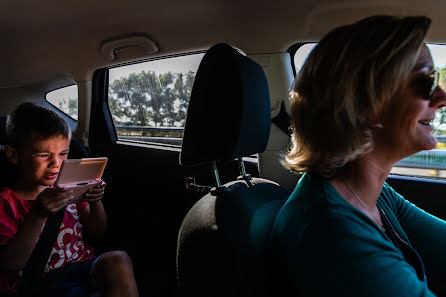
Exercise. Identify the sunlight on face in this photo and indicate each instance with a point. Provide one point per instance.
(40, 160)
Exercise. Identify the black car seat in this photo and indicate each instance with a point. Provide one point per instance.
(223, 240)
(3, 137)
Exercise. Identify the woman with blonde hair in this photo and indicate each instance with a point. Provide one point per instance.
(364, 99)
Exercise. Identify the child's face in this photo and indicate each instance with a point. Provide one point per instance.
(39, 161)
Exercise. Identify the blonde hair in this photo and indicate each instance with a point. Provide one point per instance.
(343, 86)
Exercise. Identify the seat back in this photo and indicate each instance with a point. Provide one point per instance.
(7, 171)
(223, 241)
(3, 137)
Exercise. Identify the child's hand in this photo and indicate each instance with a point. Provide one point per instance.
(95, 194)
(51, 200)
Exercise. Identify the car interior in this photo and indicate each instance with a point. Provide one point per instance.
(223, 240)
(189, 101)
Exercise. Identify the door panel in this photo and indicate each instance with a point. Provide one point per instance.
(428, 194)
(146, 197)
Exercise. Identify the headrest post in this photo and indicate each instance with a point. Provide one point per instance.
(215, 171)
(241, 167)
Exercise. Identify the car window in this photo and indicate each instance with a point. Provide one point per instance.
(425, 163)
(148, 101)
(65, 99)
(301, 54)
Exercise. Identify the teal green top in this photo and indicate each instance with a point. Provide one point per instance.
(326, 247)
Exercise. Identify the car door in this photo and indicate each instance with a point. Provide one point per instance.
(147, 196)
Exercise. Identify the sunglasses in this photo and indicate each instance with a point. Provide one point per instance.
(426, 84)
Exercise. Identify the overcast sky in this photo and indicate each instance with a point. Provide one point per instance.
(181, 64)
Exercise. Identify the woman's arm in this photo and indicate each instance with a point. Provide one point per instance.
(344, 257)
(427, 234)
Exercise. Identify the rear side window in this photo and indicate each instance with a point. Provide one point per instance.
(301, 54)
(148, 101)
(65, 99)
(425, 163)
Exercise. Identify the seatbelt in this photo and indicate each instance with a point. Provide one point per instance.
(39, 257)
(282, 120)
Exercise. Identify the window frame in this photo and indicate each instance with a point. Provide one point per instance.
(292, 51)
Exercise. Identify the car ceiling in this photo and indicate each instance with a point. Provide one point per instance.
(46, 40)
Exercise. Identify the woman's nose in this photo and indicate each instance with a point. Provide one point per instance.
(438, 99)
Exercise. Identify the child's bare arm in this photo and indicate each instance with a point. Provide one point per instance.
(16, 253)
(93, 216)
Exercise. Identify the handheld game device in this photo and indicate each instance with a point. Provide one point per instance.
(80, 175)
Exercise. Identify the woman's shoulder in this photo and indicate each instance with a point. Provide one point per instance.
(390, 198)
(310, 190)
(314, 191)
(315, 201)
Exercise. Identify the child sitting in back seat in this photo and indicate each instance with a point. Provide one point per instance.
(38, 142)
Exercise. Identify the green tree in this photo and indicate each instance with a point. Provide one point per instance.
(68, 106)
(183, 89)
(169, 112)
(441, 113)
(153, 88)
(132, 104)
(73, 107)
(145, 97)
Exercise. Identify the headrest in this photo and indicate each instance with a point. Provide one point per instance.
(3, 137)
(229, 113)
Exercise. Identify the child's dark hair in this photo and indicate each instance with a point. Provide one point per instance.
(31, 120)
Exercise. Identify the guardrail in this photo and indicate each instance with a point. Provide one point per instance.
(163, 135)
(146, 129)
(163, 140)
(433, 159)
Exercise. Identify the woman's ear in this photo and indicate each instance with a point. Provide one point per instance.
(11, 154)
